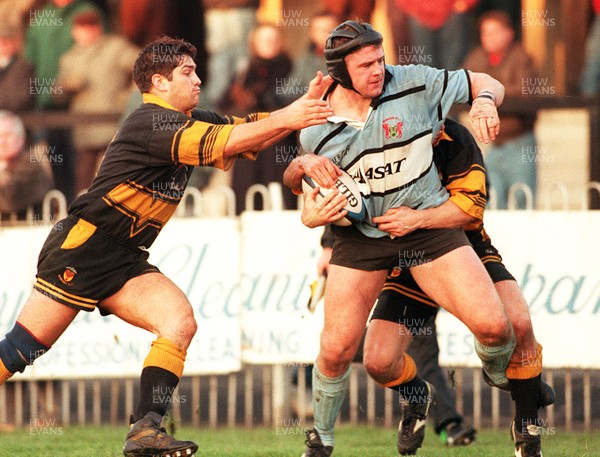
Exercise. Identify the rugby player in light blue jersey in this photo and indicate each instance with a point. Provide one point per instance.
(385, 119)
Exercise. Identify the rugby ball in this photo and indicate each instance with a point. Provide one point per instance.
(349, 189)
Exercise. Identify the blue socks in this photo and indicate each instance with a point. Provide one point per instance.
(494, 359)
(328, 396)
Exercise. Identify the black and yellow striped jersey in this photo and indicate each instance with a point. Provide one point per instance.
(147, 165)
(460, 165)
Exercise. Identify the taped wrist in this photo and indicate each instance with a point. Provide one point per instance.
(494, 359)
(20, 348)
(482, 107)
(487, 94)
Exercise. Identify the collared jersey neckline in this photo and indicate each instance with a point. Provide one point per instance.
(156, 100)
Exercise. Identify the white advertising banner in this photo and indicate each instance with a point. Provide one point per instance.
(555, 258)
(279, 259)
(248, 282)
(200, 256)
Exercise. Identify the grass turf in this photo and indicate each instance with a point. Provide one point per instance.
(351, 441)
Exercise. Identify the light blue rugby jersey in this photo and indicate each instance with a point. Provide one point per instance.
(391, 157)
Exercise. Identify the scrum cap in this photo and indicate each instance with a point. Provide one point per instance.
(348, 37)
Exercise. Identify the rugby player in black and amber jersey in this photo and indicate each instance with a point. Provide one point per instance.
(97, 257)
(403, 303)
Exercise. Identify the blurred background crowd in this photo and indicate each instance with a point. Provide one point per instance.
(63, 60)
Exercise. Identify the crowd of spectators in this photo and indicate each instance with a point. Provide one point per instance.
(76, 56)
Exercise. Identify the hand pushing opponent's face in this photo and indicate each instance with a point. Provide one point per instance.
(366, 67)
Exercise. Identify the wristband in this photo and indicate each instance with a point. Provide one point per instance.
(487, 94)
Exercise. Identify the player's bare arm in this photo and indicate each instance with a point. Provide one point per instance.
(316, 89)
(403, 220)
(321, 169)
(487, 94)
(253, 136)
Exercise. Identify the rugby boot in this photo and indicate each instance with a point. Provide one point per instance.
(411, 429)
(458, 434)
(147, 438)
(528, 443)
(314, 445)
(547, 394)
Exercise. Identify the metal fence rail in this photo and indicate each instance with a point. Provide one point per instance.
(556, 197)
(265, 396)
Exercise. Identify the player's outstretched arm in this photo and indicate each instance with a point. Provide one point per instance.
(254, 136)
(322, 170)
(326, 211)
(316, 89)
(487, 94)
(403, 220)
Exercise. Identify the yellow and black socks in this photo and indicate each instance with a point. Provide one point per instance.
(18, 350)
(525, 393)
(525, 379)
(163, 368)
(411, 388)
(5, 375)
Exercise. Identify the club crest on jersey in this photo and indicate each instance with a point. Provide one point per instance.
(392, 127)
(395, 272)
(67, 276)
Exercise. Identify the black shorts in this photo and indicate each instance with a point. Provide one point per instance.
(489, 255)
(79, 266)
(402, 301)
(352, 249)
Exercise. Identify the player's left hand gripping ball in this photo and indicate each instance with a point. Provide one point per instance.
(349, 189)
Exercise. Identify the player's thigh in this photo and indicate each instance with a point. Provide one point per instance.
(153, 302)
(349, 297)
(45, 318)
(458, 282)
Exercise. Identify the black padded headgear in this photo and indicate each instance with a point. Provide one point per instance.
(359, 35)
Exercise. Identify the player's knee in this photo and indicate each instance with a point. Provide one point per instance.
(188, 327)
(336, 357)
(493, 332)
(522, 327)
(379, 360)
(379, 366)
(180, 330)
